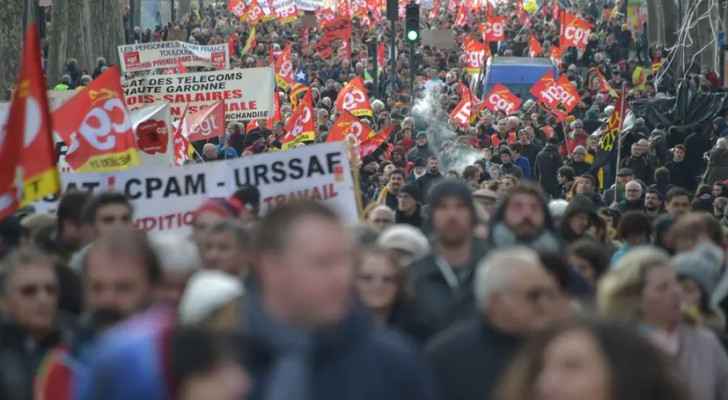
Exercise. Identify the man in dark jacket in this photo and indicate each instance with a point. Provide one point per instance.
(632, 198)
(507, 165)
(441, 282)
(432, 175)
(469, 359)
(680, 173)
(319, 344)
(639, 163)
(408, 209)
(548, 162)
(421, 149)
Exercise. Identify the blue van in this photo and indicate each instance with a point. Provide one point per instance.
(516, 73)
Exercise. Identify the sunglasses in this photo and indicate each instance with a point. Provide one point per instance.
(31, 290)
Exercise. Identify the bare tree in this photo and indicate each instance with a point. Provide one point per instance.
(84, 30)
(11, 40)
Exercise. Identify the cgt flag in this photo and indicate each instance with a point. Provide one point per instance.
(502, 99)
(574, 31)
(301, 126)
(345, 125)
(353, 99)
(95, 125)
(26, 146)
(284, 68)
(559, 96)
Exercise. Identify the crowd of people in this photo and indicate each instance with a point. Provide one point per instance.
(525, 270)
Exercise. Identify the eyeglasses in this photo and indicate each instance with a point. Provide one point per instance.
(31, 290)
(371, 278)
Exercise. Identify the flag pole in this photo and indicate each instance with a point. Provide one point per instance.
(622, 100)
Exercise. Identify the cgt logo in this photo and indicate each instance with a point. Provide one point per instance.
(501, 104)
(557, 94)
(577, 35)
(132, 58)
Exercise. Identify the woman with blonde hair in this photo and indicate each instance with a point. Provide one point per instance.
(643, 288)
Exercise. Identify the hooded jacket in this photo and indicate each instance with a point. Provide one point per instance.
(580, 204)
(546, 169)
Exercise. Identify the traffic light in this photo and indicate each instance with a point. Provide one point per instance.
(412, 22)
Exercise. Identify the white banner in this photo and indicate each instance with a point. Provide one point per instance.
(309, 5)
(165, 198)
(248, 93)
(157, 55)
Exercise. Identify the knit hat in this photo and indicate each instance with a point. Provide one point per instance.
(448, 188)
(702, 265)
(411, 189)
(407, 238)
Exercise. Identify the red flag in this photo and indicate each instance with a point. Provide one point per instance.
(501, 99)
(276, 117)
(181, 69)
(555, 55)
(353, 98)
(475, 55)
(27, 141)
(206, 123)
(556, 10)
(462, 16)
(559, 96)
(381, 51)
(463, 110)
(534, 47)
(489, 12)
(494, 29)
(598, 82)
(237, 7)
(95, 125)
(254, 13)
(251, 125)
(372, 143)
(301, 126)
(435, 11)
(181, 143)
(345, 125)
(324, 16)
(574, 31)
(284, 68)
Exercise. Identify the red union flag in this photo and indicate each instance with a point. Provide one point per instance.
(372, 143)
(534, 47)
(494, 29)
(559, 96)
(574, 31)
(462, 16)
(475, 55)
(301, 126)
(206, 123)
(96, 127)
(237, 7)
(345, 125)
(353, 99)
(254, 13)
(463, 110)
(501, 99)
(26, 140)
(284, 68)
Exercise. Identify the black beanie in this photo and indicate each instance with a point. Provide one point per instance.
(450, 188)
(413, 190)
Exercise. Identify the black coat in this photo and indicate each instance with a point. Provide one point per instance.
(681, 175)
(425, 182)
(354, 361)
(546, 170)
(415, 219)
(470, 359)
(436, 305)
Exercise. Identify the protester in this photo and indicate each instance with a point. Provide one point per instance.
(442, 281)
(602, 355)
(644, 288)
(302, 308)
(516, 297)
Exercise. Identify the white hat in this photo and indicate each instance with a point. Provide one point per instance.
(206, 292)
(407, 238)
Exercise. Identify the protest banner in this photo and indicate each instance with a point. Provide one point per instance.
(150, 56)
(165, 198)
(248, 93)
